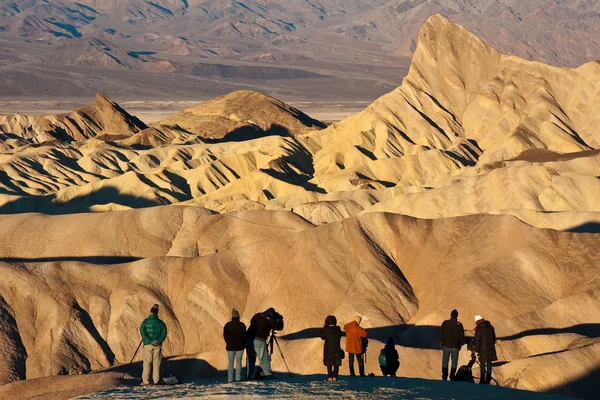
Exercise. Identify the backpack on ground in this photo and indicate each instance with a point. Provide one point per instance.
(464, 374)
(382, 358)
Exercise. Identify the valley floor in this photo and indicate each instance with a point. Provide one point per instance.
(316, 387)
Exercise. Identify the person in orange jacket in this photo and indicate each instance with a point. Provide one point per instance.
(354, 345)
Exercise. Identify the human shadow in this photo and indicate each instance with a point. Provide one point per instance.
(185, 369)
(79, 204)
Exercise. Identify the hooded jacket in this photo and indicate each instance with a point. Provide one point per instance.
(354, 335)
(391, 357)
(485, 342)
(153, 329)
(234, 334)
(332, 349)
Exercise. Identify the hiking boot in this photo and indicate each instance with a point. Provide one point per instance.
(452, 373)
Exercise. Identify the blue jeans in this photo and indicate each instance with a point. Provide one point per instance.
(260, 347)
(361, 363)
(446, 353)
(237, 357)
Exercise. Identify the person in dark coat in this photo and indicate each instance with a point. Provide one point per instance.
(234, 334)
(332, 349)
(392, 359)
(452, 338)
(485, 346)
(261, 326)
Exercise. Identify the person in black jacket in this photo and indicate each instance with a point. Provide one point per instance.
(485, 346)
(261, 325)
(452, 338)
(332, 349)
(392, 359)
(234, 334)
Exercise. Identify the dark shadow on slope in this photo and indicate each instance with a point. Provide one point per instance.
(99, 260)
(88, 324)
(590, 227)
(413, 336)
(78, 204)
(186, 370)
(586, 387)
(295, 179)
(250, 132)
(591, 331)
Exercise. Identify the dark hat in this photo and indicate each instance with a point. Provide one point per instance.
(331, 320)
(154, 309)
(454, 314)
(390, 342)
(235, 314)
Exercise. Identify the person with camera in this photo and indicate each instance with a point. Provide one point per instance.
(485, 346)
(261, 326)
(354, 344)
(452, 338)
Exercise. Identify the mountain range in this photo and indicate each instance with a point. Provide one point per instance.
(473, 185)
(231, 41)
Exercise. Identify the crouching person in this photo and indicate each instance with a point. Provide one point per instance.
(389, 360)
(332, 350)
(154, 333)
(234, 334)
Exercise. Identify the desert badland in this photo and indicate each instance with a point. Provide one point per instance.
(474, 185)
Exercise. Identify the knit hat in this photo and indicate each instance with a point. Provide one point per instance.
(454, 314)
(154, 309)
(235, 314)
(478, 318)
(358, 319)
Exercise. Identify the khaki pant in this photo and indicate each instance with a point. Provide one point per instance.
(152, 360)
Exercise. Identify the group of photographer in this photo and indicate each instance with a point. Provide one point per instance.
(262, 325)
(452, 338)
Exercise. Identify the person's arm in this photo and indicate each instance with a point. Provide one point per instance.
(442, 336)
(163, 334)
(477, 341)
(493, 335)
(225, 333)
(461, 334)
(244, 331)
(322, 334)
(144, 334)
(363, 333)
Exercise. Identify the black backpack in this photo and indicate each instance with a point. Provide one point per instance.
(464, 374)
(365, 344)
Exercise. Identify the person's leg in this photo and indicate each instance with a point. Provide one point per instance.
(482, 373)
(361, 364)
(454, 354)
(156, 361)
(329, 372)
(260, 347)
(336, 372)
(250, 359)
(351, 363)
(147, 365)
(445, 360)
(230, 360)
(489, 373)
(239, 355)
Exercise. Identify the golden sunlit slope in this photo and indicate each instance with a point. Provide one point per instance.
(538, 287)
(103, 116)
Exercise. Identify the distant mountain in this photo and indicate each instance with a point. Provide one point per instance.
(347, 39)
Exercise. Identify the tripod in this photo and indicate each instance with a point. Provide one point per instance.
(127, 367)
(272, 339)
(474, 360)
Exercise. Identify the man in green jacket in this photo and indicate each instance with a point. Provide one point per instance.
(154, 333)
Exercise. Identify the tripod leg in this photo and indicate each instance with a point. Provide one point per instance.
(282, 357)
